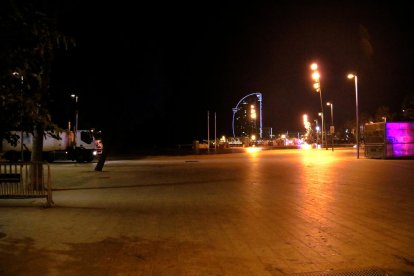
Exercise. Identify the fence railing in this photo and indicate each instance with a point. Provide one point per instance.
(26, 180)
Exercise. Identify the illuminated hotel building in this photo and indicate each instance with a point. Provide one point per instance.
(247, 117)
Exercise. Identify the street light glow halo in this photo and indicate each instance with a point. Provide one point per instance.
(351, 76)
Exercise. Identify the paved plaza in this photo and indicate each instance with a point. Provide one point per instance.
(274, 212)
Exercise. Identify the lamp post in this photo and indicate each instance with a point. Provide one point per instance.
(215, 131)
(332, 128)
(74, 96)
(317, 130)
(76, 112)
(235, 109)
(17, 74)
(323, 122)
(208, 131)
(355, 77)
(317, 87)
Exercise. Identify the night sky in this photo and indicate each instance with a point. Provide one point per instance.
(151, 72)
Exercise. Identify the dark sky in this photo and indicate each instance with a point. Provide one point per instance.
(154, 70)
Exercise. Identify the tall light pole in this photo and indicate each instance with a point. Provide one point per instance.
(355, 77)
(215, 131)
(323, 122)
(332, 128)
(317, 87)
(208, 131)
(260, 99)
(73, 96)
(317, 130)
(235, 109)
(17, 74)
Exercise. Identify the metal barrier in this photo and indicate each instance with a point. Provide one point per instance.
(26, 180)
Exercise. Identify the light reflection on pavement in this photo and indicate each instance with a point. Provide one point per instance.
(259, 213)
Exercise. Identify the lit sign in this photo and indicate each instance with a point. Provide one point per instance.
(399, 139)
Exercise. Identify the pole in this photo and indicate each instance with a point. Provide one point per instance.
(332, 126)
(323, 124)
(215, 132)
(234, 114)
(260, 98)
(317, 135)
(357, 116)
(21, 119)
(317, 86)
(77, 114)
(208, 131)
(76, 118)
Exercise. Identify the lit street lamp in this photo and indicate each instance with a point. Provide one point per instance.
(350, 76)
(76, 115)
(317, 87)
(235, 109)
(332, 128)
(321, 115)
(17, 74)
(317, 131)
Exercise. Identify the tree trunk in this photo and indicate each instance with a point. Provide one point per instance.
(36, 168)
(37, 150)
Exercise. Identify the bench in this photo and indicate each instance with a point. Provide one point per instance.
(25, 180)
(10, 177)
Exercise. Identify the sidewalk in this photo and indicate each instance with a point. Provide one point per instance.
(266, 213)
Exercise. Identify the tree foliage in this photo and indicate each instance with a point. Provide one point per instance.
(29, 39)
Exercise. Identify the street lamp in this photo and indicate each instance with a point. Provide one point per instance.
(355, 77)
(317, 87)
(332, 128)
(322, 119)
(321, 115)
(317, 131)
(17, 74)
(73, 96)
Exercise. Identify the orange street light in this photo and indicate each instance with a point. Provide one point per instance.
(332, 129)
(355, 77)
(317, 86)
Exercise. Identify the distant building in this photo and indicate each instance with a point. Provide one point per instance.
(247, 117)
